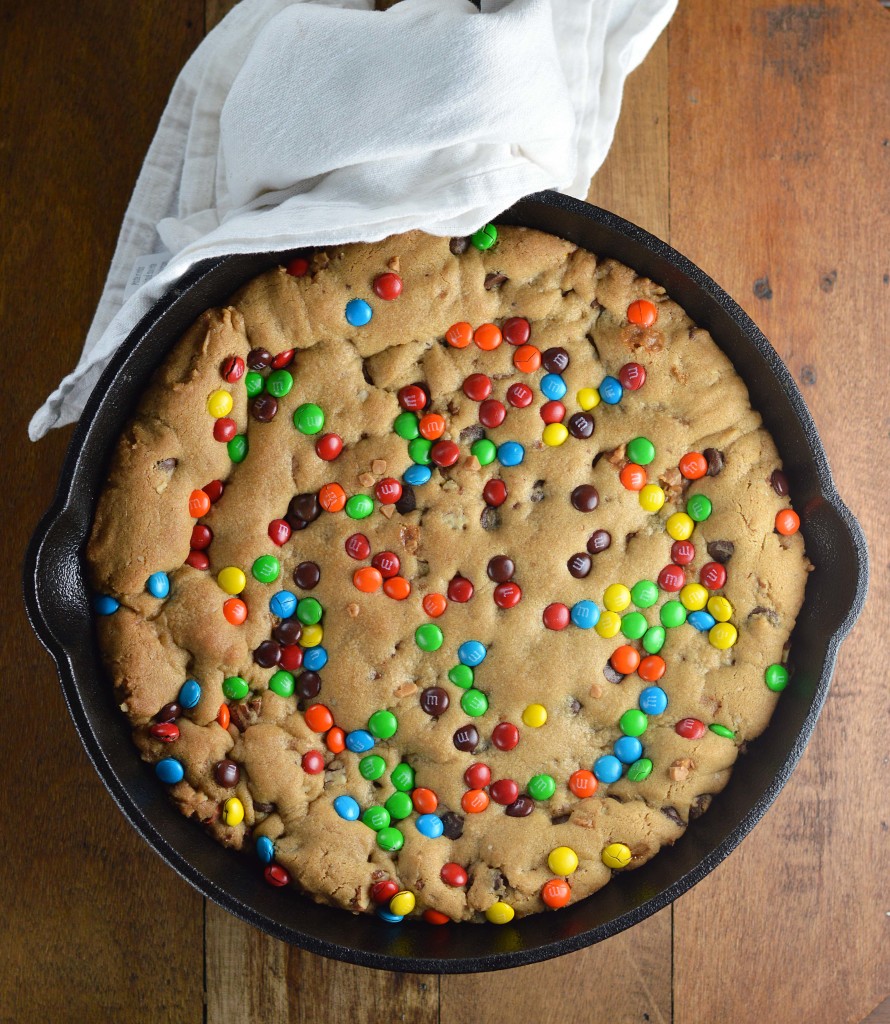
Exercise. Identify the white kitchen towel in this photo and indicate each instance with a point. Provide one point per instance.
(314, 122)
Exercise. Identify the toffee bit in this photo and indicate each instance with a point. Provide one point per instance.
(378, 467)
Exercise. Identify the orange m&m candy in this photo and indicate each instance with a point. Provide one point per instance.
(332, 498)
(556, 893)
(235, 611)
(223, 716)
(651, 668)
(527, 358)
(335, 740)
(625, 659)
(435, 605)
(199, 504)
(367, 579)
(487, 337)
(693, 465)
(633, 477)
(474, 801)
(787, 522)
(398, 588)
(459, 335)
(642, 312)
(431, 426)
(318, 718)
(425, 800)
(435, 916)
(583, 783)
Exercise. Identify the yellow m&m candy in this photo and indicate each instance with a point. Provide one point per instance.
(588, 398)
(616, 855)
(680, 526)
(720, 608)
(231, 579)
(616, 597)
(563, 860)
(723, 635)
(311, 636)
(608, 625)
(233, 811)
(555, 434)
(220, 404)
(500, 913)
(651, 498)
(693, 597)
(402, 903)
(535, 715)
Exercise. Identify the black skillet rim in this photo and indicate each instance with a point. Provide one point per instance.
(52, 565)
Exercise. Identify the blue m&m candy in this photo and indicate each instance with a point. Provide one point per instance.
(430, 825)
(315, 658)
(653, 700)
(388, 916)
(189, 694)
(472, 653)
(585, 614)
(417, 475)
(702, 621)
(553, 386)
(158, 584)
(628, 749)
(265, 849)
(105, 604)
(358, 312)
(169, 770)
(611, 390)
(510, 453)
(360, 741)
(283, 604)
(607, 768)
(347, 807)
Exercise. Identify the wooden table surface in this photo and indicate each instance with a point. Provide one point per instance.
(756, 139)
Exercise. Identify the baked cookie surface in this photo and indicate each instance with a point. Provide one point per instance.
(510, 638)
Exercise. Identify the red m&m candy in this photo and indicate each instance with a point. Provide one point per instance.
(553, 412)
(520, 396)
(312, 762)
(672, 578)
(477, 776)
(224, 429)
(505, 736)
(556, 616)
(412, 398)
(690, 728)
(201, 537)
(712, 576)
(197, 560)
(276, 875)
(328, 447)
(494, 493)
(298, 267)
(388, 490)
(445, 453)
(504, 791)
(632, 376)
(492, 413)
(682, 552)
(387, 563)
(279, 531)
(388, 286)
(516, 330)
(477, 387)
(283, 359)
(383, 892)
(507, 595)
(232, 369)
(453, 874)
(358, 547)
(214, 490)
(460, 590)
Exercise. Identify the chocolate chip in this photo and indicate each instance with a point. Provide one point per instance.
(167, 465)
(466, 738)
(721, 550)
(490, 518)
(472, 433)
(598, 541)
(611, 675)
(459, 246)
(308, 685)
(227, 773)
(537, 493)
(264, 408)
(295, 522)
(168, 712)
(555, 360)
(307, 575)
(699, 805)
(453, 825)
(494, 281)
(574, 705)
(287, 632)
(582, 425)
(521, 807)
(771, 615)
(305, 507)
(242, 715)
(674, 815)
(267, 654)
(434, 700)
(263, 808)
(501, 568)
(408, 501)
(579, 565)
(560, 819)
(716, 461)
(259, 358)
(779, 482)
(585, 498)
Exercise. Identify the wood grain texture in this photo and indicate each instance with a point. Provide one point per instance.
(94, 926)
(796, 194)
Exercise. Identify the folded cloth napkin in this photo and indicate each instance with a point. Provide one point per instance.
(315, 122)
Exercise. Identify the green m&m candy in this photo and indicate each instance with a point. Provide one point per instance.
(672, 614)
(309, 611)
(279, 383)
(485, 237)
(376, 818)
(390, 839)
(633, 722)
(722, 730)
(282, 683)
(698, 507)
(634, 625)
(428, 637)
(359, 506)
(461, 675)
(640, 450)
(235, 688)
(309, 418)
(644, 593)
(399, 806)
(776, 678)
(474, 702)
(541, 787)
(266, 569)
(253, 382)
(419, 451)
(372, 767)
(237, 448)
(406, 426)
(653, 639)
(485, 451)
(640, 770)
(402, 777)
(382, 725)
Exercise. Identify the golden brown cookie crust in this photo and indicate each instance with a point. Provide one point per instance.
(692, 400)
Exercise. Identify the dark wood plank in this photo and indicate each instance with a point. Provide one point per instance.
(779, 166)
(95, 927)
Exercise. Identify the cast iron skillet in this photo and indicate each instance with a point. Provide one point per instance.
(59, 609)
